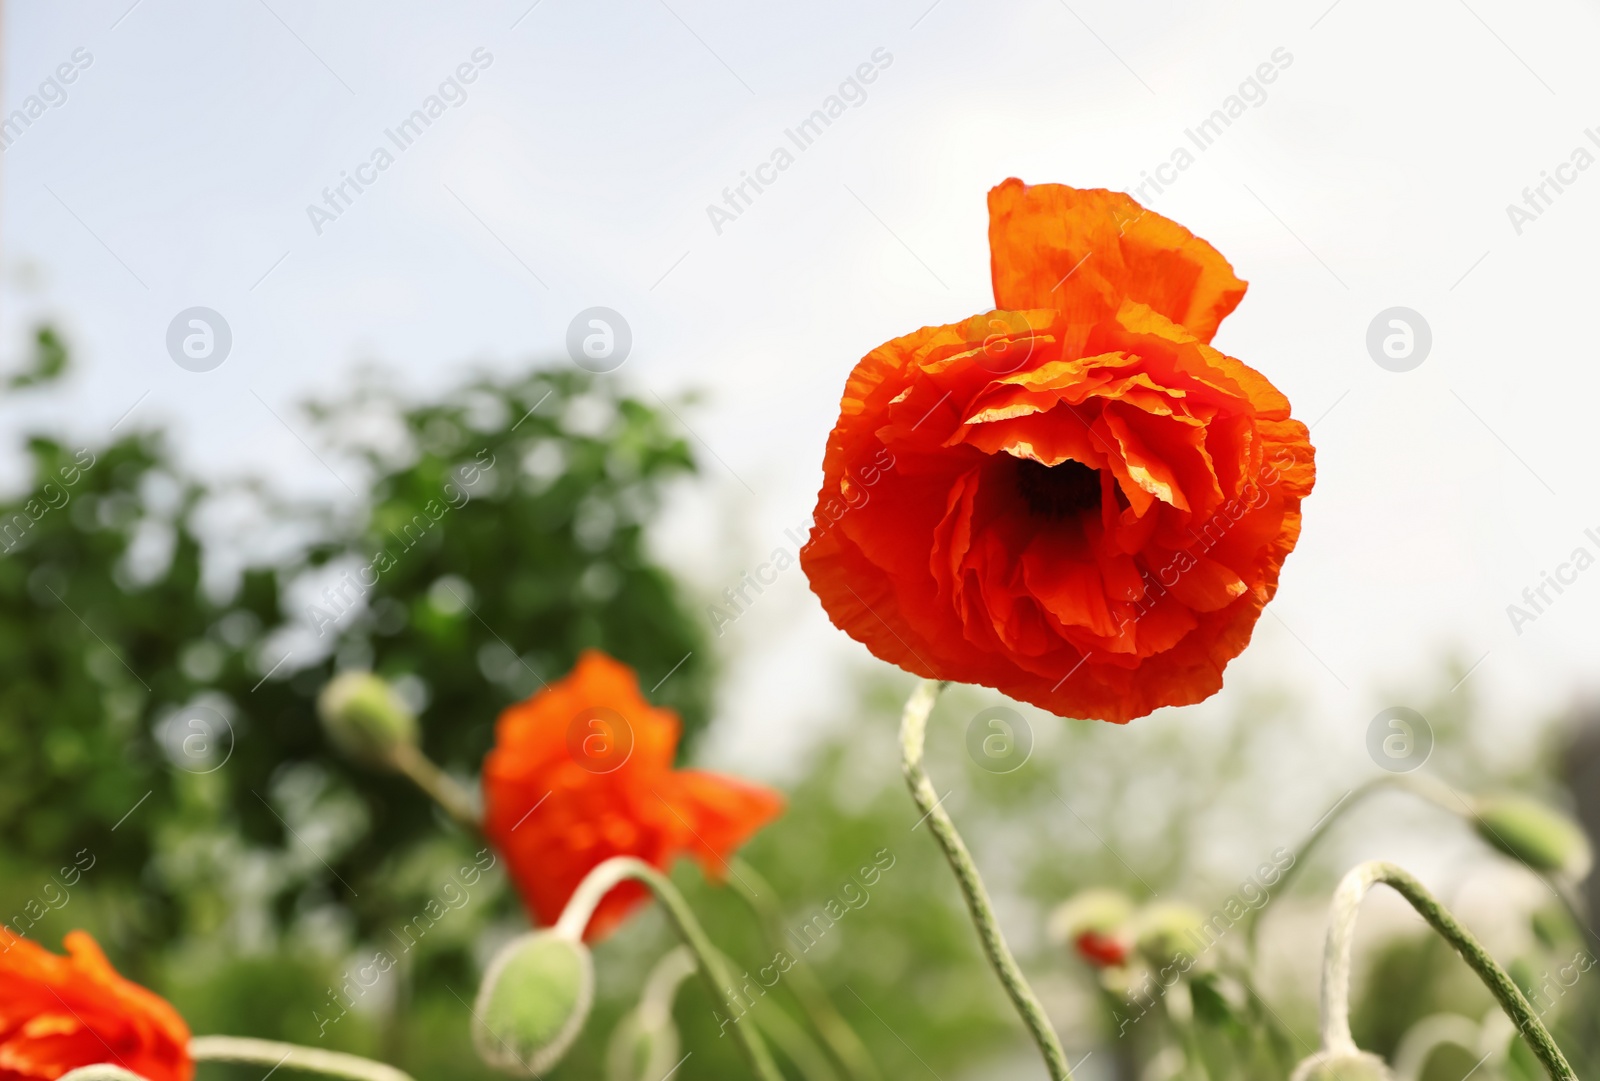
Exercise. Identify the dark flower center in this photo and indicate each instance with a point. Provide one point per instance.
(1058, 491)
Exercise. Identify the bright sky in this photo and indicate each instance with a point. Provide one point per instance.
(575, 169)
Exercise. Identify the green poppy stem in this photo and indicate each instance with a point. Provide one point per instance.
(273, 1054)
(1336, 963)
(913, 731)
(600, 881)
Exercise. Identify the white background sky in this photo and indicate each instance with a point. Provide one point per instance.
(1375, 174)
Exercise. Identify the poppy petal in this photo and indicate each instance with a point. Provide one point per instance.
(1052, 246)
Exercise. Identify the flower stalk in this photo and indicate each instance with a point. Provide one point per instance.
(1336, 1037)
(273, 1054)
(443, 789)
(600, 881)
(913, 731)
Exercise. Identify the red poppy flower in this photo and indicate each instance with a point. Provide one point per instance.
(59, 1013)
(1073, 499)
(582, 771)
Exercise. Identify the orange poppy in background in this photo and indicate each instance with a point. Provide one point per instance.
(582, 771)
(1073, 499)
(59, 1013)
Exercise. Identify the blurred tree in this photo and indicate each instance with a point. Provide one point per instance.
(156, 716)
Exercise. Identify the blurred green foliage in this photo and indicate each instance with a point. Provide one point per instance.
(48, 363)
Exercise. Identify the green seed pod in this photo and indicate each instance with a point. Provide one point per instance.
(1098, 910)
(1539, 836)
(365, 718)
(1165, 933)
(533, 1003)
(1346, 1065)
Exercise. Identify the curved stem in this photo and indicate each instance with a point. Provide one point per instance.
(808, 990)
(661, 985)
(913, 729)
(1336, 963)
(1427, 1036)
(600, 881)
(1427, 788)
(274, 1054)
(444, 789)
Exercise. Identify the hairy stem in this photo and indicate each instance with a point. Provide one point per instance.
(808, 990)
(913, 729)
(1336, 963)
(600, 881)
(273, 1054)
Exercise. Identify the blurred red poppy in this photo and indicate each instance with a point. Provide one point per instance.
(1102, 950)
(59, 1013)
(582, 771)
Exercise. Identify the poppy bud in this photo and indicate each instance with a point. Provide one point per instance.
(1165, 930)
(1095, 923)
(1529, 831)
(645, 1044)
(533, 1003)
(365, 718)
(1345, 1065)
